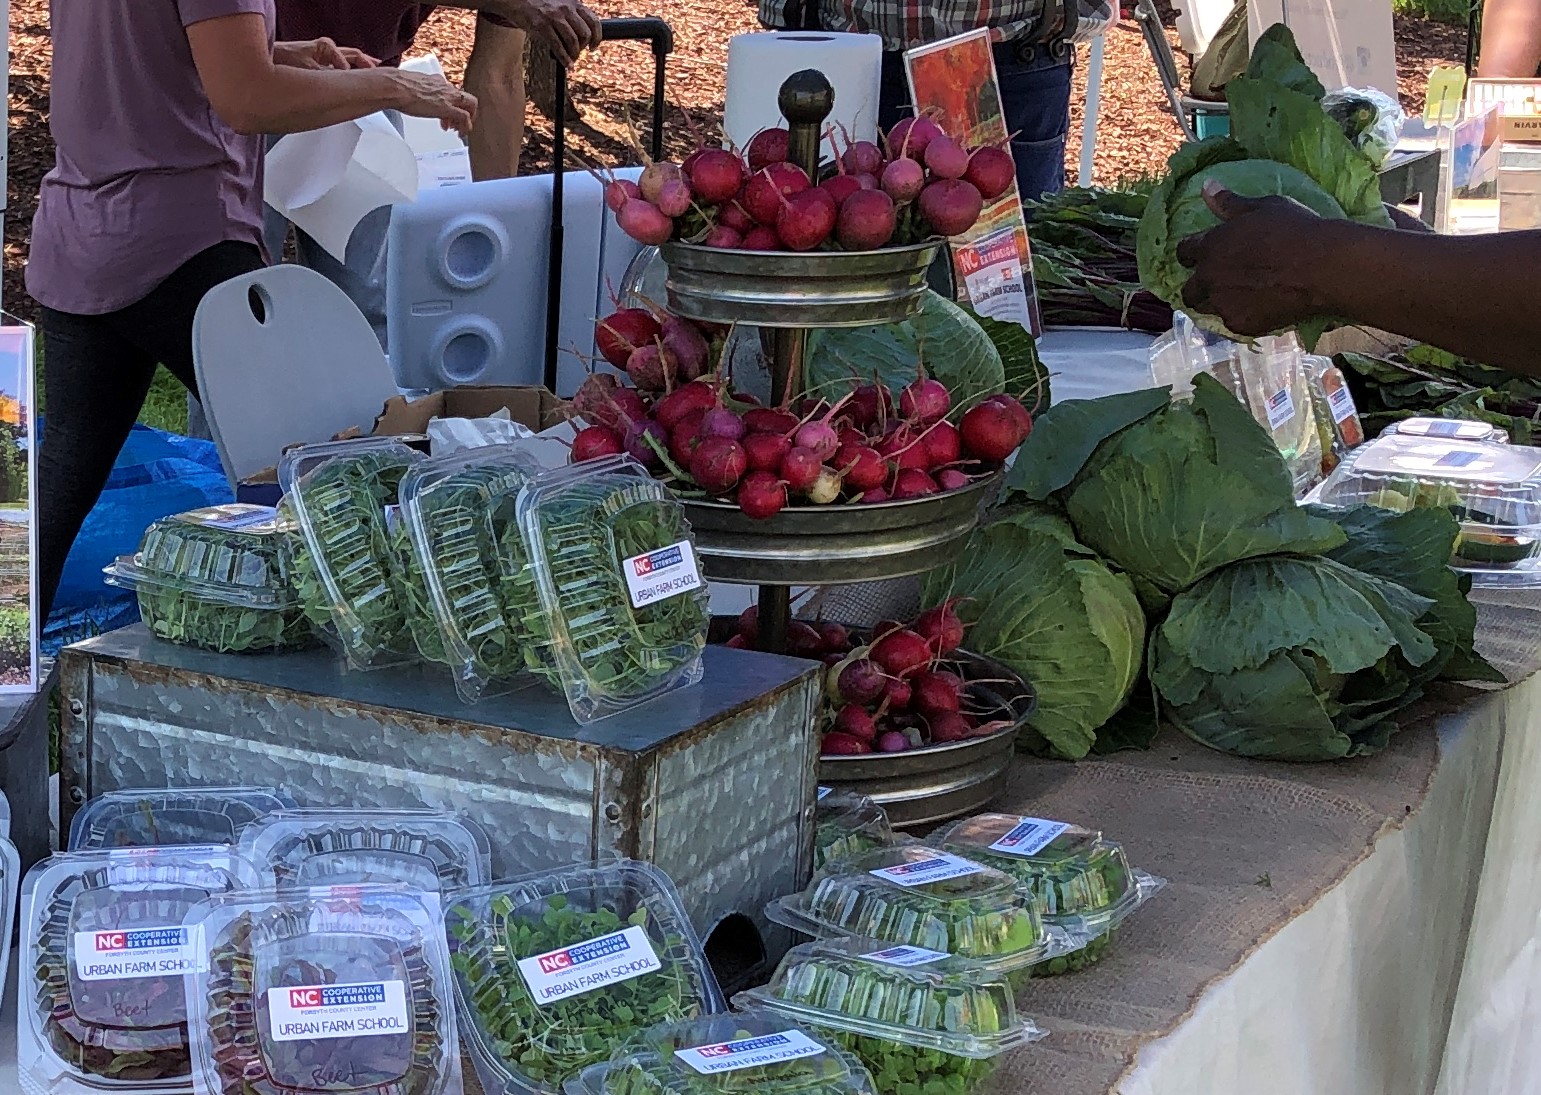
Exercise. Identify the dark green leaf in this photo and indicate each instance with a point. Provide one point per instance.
(1064, 437)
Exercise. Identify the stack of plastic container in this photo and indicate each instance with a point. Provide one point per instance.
(847, 825)
(429, 851)
(10, 885)
(159, 817)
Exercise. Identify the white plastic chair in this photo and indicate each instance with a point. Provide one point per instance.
(282, 355)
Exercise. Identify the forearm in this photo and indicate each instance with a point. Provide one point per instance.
(1511, 39)
(495, 75)
(293, 100)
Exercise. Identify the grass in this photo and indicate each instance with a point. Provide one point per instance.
(165, 408)
(1454, 12)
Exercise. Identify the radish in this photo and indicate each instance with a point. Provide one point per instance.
(951, 479)
(761, 495)
(857, 722)
(862, 467)
(593, 442)
(626, 407)
(803, 641)
(942, 444)
(910, 136)
(636, 442)
(800, 468)
(862, 158)
(806, 219)
(894, 741)
(736, 642)
(684, 438)
(868, 182)
(926, 401)
(721, 422)
(653, 178)
(696, 396)
(897, 693)
(718, 464)
(767, 147)
(901, 653)
(946, 158)
(912, 483)
(1019, 414)
(951, 205)
(941, 627)
(832, 660)
(686, 345)
(825, 489)
(761, 238)
(818, 435)
(674, 198)
(688, 164)
(618, 191)
(870, 404)
(948, 726)
(840, 187)
(991, 431)
(992, 171)
(593, 394)
(716, 175)
(765, 451)
(619, 333)
(903, 180)
(837, 640)
(651, 367)
(644, 222)
(843, 745)
(763, 193)
(937, 690)
(876, 494)
(866, 221)
(770, 420)
(729, 239)
(734, 216)
(862, 681)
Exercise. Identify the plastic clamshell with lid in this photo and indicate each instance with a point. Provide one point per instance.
(848, 824)
(1493, 490)
(100, 1003)
(340, 497)
(555, 970)
(1454, 429)
(216, 578)
(620, 588)
(923, 897)
(158, 817)
(433, 851)
(322, 991)
(10, 896)
(472, 593)
(730, 1054)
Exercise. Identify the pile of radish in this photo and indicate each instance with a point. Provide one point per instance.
(896, 692)
(920, 182)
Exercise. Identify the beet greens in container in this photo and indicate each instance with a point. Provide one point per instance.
(430, 851)
(101, 1003)
(321, 992)
(555, 971)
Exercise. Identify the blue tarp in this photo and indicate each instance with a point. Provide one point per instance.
(157, 474)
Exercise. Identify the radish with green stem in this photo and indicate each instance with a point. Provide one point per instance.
(674, 198)
(763, 194)
(866, 221)
(800, 468)
(991, 170)
(718, 464)
(912, 483)
(825, 489)
(941, 627)
(716, 175)
(761, 238)
(806, 219)
(621, 332)
(903, 180)
(761, 495)
(592, 442)
(951, 205)
(765, 451)
(769, 146)
(946, 158)
(723, 237)
(684, 438)
(645, 222)
(637, 446)
(653, 177)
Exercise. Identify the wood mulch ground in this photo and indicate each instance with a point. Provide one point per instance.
(1135, 133)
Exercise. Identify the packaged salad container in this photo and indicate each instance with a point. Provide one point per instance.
(1493, 490)
(1337, 419)
(622, 595)
(1078, 880)
(848, 825)
(431, 851)
(216, 578)
(472, 595)
(1455, 429)
(157, 817)
(921, 1021)
(555, 971)
(104, 951)
(340, 500)
(732, 1054)
(320, 992)
(919, 896)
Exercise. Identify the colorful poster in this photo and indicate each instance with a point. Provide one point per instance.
(954, 81)
(18, 503)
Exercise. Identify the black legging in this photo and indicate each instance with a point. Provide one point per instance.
(96, 373)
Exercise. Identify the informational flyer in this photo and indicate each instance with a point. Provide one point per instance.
(18, 504)
(954, 81)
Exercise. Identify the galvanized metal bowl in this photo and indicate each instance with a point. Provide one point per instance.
(827, 545)
(792, 289)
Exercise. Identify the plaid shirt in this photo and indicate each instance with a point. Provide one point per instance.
(904, 24)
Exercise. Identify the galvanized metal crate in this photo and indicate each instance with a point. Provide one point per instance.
(714, 784)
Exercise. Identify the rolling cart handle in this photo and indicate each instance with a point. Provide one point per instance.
(659, 34)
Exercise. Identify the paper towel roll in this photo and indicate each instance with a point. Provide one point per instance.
(758, 63)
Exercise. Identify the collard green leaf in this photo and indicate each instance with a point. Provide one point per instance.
(1064, 437)
(1023, 370)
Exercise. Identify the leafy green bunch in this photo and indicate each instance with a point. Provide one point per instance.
(1077, 960)
(1426, 381)
(653, 1069)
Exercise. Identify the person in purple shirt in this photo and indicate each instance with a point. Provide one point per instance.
(158, 112)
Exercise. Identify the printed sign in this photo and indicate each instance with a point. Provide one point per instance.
(768, 1049)
(906, 956)
(1458, 459)
(18, 504)
(1029, 836)
(1341, 403)
(365, 1010)
(142, 952)
(232, 517)
(1281, 409)
(575, 970)
(659, 575)
(922, 872)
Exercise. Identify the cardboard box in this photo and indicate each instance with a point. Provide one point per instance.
(1519, 118)
(536, 408)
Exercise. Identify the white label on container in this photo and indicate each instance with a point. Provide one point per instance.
(120, 955)
(922, 872)
(392, 518)
(1341, 402)
(1463, 431)
(1281, 408)
(1029, 836)
(659, 575)
(368, 1009)
(242, 517)
(824, 793)
(768, 1049)
(906, 956)
(583, 967)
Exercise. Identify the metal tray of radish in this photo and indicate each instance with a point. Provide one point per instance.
(825, 545)
(796, 289)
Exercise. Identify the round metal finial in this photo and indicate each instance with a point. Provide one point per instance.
(806, 97)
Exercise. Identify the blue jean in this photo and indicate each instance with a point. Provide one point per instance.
(1036, 97)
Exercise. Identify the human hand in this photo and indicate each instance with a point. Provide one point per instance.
(424, 95)
(320, 53)
(566, 26)
(1255, 270)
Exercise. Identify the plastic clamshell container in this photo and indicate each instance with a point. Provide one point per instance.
(923, 897)
(1493, 490)
(100, 1002)
(216, 578)
(1337, 419)
(848, 825)
(340, 498)
(473, 592)
(1454, 429)
(5, 816)
(555, 971)
(10, 896)
(431, 851)
(620, 588)
(320, 992)
(159, 817)
(733, 1054)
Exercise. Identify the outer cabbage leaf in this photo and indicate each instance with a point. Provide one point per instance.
(1276, 57)
(1157, 237)
(1065, 435)
(1043, 605)
(954, 347)
(1025, 374)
